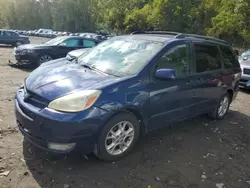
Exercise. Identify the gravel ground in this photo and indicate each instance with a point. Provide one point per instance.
(195, 153)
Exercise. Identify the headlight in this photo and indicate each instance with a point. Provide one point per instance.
(75, 102)
(69, 57)
(27, 51)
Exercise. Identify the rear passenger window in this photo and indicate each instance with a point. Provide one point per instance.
(227, 57)
(88, 43)
(207, 58)
(72, 43)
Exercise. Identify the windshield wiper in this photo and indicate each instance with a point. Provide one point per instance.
(87, 66)
(93, 68)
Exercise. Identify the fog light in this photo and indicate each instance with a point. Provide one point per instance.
(61, 147)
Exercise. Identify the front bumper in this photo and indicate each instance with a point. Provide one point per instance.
(29, 58)
(25, 57)
(244, 81)
(42, 126)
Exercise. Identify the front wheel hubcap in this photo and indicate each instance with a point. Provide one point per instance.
(119, 138)
(44, 59)
(224, 103)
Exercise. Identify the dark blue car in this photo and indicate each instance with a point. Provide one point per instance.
(123, 88)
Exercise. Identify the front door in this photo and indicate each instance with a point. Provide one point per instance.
(171, 100)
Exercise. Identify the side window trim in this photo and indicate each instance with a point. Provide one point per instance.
(164, 51)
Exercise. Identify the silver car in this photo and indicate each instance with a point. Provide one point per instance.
(244, 61)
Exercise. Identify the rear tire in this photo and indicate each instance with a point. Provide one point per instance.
(221, 108)
(118, 137)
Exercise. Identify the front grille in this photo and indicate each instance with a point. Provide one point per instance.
(246, 71)
(27, 112)
(35, 100)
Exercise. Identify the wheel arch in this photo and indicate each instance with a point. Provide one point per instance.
(231, 93)
(135, 112)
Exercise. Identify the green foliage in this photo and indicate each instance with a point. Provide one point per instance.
(227, 19)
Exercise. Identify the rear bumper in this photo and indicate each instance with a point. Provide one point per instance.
(42, 126)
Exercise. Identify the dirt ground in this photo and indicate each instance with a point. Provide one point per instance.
(193, 154)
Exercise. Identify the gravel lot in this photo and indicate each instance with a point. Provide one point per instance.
(195, 153)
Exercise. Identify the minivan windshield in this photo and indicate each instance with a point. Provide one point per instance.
(56, 41)
(121, 56)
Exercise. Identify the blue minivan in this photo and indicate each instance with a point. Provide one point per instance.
(127, 86)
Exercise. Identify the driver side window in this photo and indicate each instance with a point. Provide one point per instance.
(176, 58)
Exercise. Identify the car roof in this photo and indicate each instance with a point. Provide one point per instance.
(79, 37)
(166, 36)
(8, 30)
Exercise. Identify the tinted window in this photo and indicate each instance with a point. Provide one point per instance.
(88, 43)
(7, 33)
(3, 33)
(72, 43)
(176, 59)
(13, 34)
(227, 57)
(207, 58)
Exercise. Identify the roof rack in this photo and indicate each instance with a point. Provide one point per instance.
(180, 35)
(155, 32)
(183, 35)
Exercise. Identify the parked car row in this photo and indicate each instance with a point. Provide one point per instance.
(12, 38)
(53, 49)
(121, 89)
(49, 33)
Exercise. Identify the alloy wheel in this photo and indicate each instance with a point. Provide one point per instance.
(119, 138)
(44, 58)
(224, 104)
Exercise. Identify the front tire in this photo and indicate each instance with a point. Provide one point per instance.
(118, 137)
(18, 43)
(44, 58)
(221, 108)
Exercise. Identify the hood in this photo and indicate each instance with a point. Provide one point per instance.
(32, 46)
(61, 78)
(245, 64)
(78, 53)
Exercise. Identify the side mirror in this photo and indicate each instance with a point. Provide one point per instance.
(62, 44)
(165, 74)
